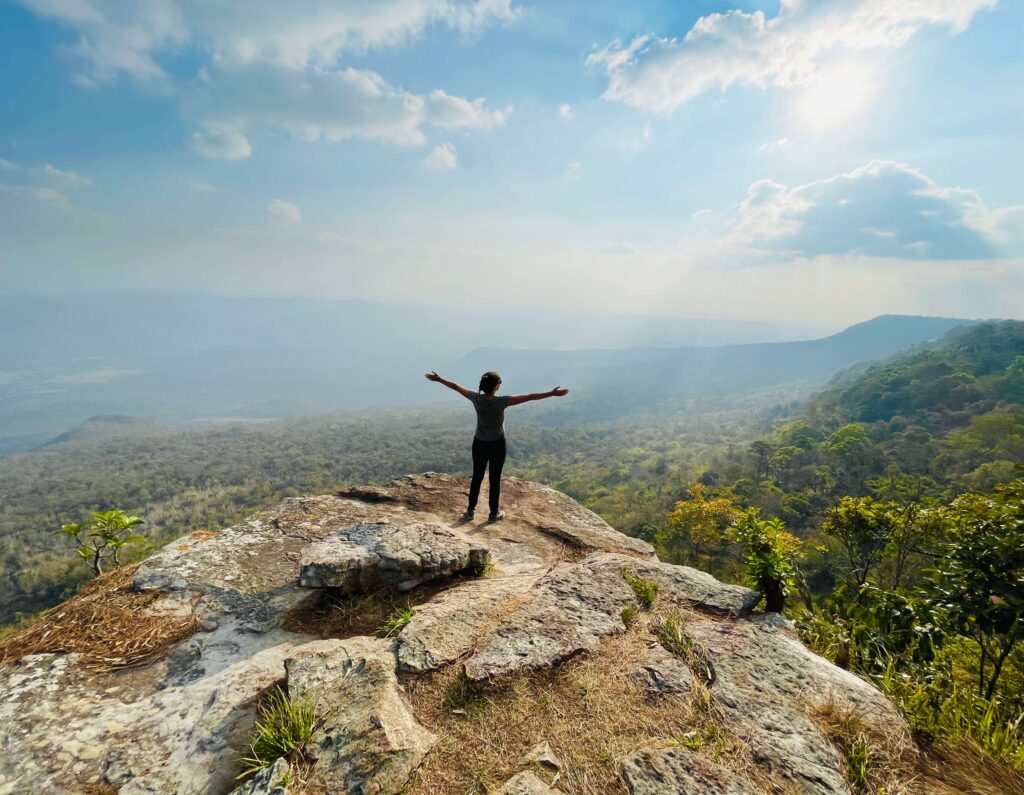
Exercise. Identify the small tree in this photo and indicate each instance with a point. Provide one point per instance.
(862, 526)
(979, 580)
(102, 537)
(697, 521)
(770, 552)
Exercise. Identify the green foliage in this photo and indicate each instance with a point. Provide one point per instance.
(283, 728)
(979, 580)
(646, 591)
(396, 621)
(629, 614)
(770, 552)
(102, 537)
(694, 524)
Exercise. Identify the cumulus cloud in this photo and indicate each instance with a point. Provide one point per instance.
(441, 158)
(44, 196)
(114, 37)
(882, 209)
(65, 179)
(318, 105)
(565, 111)
(287, 211)
(741, 48)
(220, 144)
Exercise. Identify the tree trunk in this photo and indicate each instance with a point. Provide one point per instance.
(774, 597)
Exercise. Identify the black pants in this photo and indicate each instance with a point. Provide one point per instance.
(487, 454)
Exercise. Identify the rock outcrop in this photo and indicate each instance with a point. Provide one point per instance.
(499, 603)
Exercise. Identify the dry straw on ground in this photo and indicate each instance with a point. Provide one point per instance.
(108, 623)
(591, 710)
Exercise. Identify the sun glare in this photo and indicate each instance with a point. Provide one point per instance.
(836, 96)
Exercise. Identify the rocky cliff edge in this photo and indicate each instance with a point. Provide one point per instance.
(527, 663)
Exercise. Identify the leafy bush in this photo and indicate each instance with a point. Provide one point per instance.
(770, 552)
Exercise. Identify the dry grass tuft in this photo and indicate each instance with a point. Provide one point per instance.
(591, 710)
(878, 759)
(108, 623)
(962, 768)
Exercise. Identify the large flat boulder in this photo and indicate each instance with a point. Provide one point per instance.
(380, 555)
(368, 741)
(680, 771)
(576, 604)
(766, 681)
(449, 626)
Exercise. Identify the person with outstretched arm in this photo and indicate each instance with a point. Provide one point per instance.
(489, 439)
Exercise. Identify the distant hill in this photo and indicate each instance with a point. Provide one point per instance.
(181, 359)
(642, 376)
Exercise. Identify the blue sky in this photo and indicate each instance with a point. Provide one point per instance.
(814, 161)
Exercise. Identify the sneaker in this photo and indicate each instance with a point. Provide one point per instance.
(467, 516)
(496, 517)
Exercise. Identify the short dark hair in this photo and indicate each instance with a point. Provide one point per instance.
(490, 381)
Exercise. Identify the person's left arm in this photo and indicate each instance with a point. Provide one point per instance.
(558, 391)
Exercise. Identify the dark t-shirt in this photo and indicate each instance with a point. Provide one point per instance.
(490, 416)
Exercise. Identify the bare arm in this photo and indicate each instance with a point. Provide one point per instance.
(558, 391)
(433, 376)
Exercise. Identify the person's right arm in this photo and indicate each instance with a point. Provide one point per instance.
(433, 376)
(558, 391)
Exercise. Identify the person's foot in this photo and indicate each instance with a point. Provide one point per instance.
(467, 516)
(496, 517)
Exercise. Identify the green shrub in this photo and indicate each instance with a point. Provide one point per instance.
(630, 613)
(646, 591)
(283, 728)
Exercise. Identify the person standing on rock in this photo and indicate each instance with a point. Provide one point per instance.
(489, 440)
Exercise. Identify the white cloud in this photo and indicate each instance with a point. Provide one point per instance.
(221, 144)
(565, 111)
(65, 179)
(198, 186)
(287, 211)
(116, 38)
(441, 158)
(318, 105)
(572, 169)
(7, 165)
(456, 113)
(882, 209)
(770, 147)
(701, 214)
(45, 196)
(740, 48)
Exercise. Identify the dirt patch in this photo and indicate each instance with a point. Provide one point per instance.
(591, 710)
(335, 615)
(108, 623)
